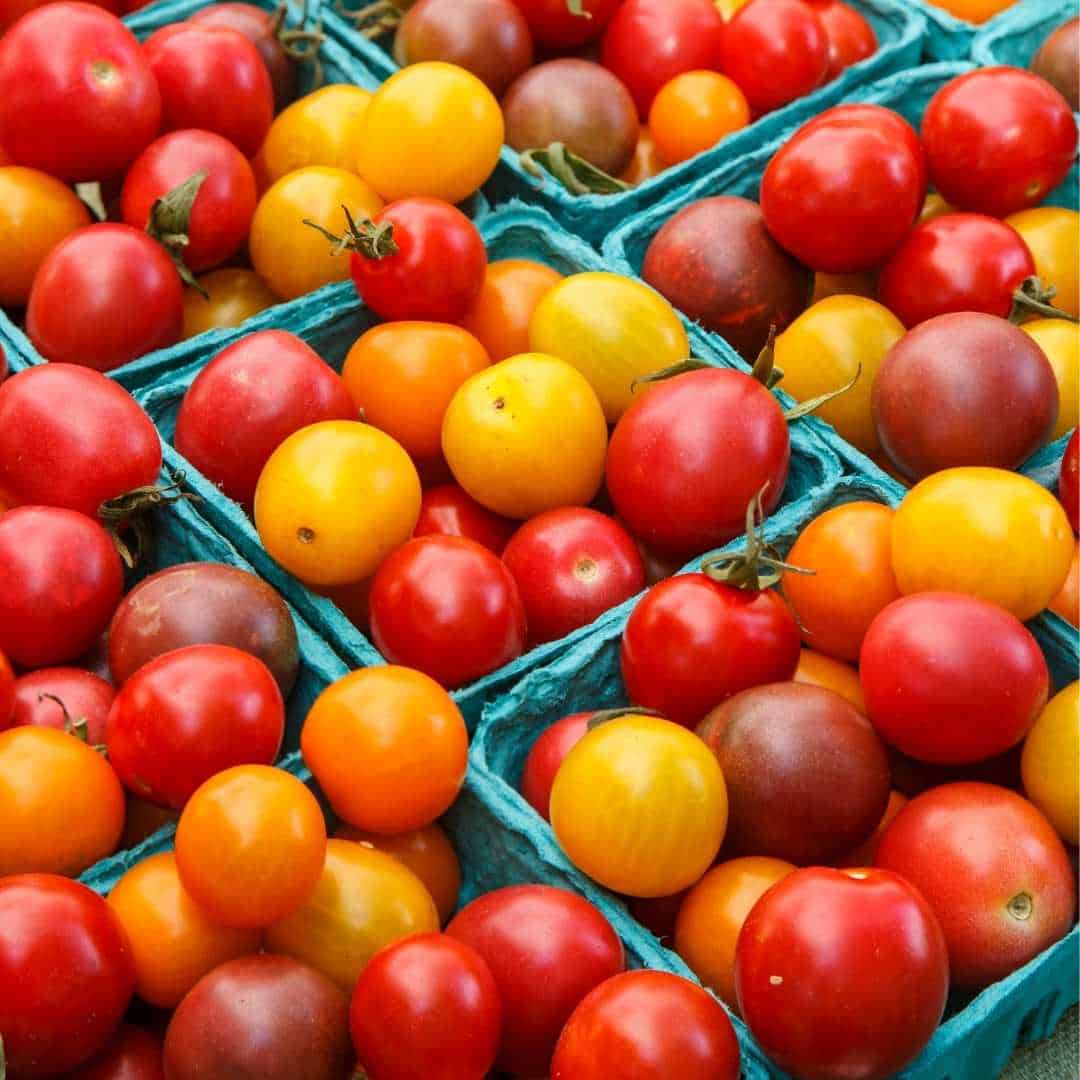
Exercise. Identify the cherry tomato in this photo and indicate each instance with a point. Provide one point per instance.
(1052, 234)
(1050, 750)
(555, 25)
(646, 162)
(132, 1054)
(547, 948)
(693, 112)
(500, 315)
(7, 693)
(866, 852)
(448, 510)
(66, 974)
(1055, 61)
(1060, 341)
(821, 670)
(1068, 487)
(998, 140)
(851, 37)
(234, 296)
(994, 871)
(1067, 601)
(545, 757)
(57, 697)
(143, 820)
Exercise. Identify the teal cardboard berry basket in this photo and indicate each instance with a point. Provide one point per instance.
(1014, 36)
(331, 328)
(900, 30)
(978, 1034)
(950, 38)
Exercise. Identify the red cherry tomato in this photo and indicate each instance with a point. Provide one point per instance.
(248, 400)
(546, 756)
(547, 948)
(187, 715)
(42, 698)
(994, 871)
(555, 26)
(427, 998)
(841, 973)
(1069, 482)
(77, 97)
(124, 287)
(692, 642)
(571, 565)
(60, 581)
(851, 37)
(213, 78)
(647, 43)
(448, 607)
(66, 974)
(7, 692)
(998, 140)
(776, 51)
(448, 510)
(132, 1054)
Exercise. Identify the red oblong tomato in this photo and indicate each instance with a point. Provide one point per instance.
(53, 697)
(546, 756)
(1069, 482)
(555, 26)
(851, 37)
(132, 1054)
(449, 510)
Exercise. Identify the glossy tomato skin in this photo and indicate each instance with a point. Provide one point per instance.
(436, 272)
(959, 262)
(851, 37)
(547, 948)
(84, 697)
(72, 438)
(994, 871)
(223, 208)
(132, 1054)
(60, 581)
(125, 288)
(546, 756)
(425, 999)
(449, 607)
(842, 975)
(691, 642)
(189, 714)
(77, 98)
(248, 400)
(448, 510)
(555, 26)
(998, 140)
(1069, 482)
(66, 974)
(670, 461)
(1056, 61)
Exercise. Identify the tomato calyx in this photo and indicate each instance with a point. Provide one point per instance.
(132, 510)
(377, 18)
(577, 175)
(299, 45)
(1033, 298)
(78, 728)
(604, 716)
(681, 368)
(366, 238)
(577, 9)
(170, 222)
(769, 375)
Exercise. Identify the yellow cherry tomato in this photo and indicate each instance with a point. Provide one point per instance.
(1048, 764)
(322, 128)
(989, 533)
(334, 500)
(613, 330)
(693, 112)
(934, 206)
(1052, 235)
(821, 670)
(639, 804)
(291, 257)
(234, 296)
(728, 8)
(36, 212)
(824, 348)
(1067, 602)
(1060, 340)
(431, 129)
(973, 11)
(526, 435)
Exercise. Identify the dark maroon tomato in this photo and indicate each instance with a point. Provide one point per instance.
(222, 211)
(66, 974)
(692, 642)
(998, 140)
(248, 400)
(490, 38)
(203, 604)
(53, 697)
(60, 582)
(1058, 61)
(73, 438)
(264, 1016)
(77, 97)
(189, 714)
(1069, 482)
(571, 565)
(547, 948)
(575, 102)
(807, 777)
(555, 25)
(658, 914)
(547, 755)
(449, 510)
(427, 999)
(958, 262)
(448, 607)
(842, 974)
(125, 289)
(133, 1054)
(842, 193)
(964, 389)
(649, 42)
(716, 262)
(213, 78)
(687, 458)
(851, 37)
(775, 51)
(951, 679)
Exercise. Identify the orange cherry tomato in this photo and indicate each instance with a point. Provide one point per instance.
(821, 670)
(866, 852)
(388, 746)
(646, 162)
(693, 112)
(143, 819)
(855, 284)
(250, 845)
(234, 296)
(1067, 601)
(849, 548)
(511, 291)
(174, 943)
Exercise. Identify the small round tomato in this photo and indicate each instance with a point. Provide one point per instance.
(1055, 61)
(448, 510)
(646, 162)
(431, 129)
(173, 941)
(545, 757)
(131, 1054)
(1068, 487)
(250, 846)
(998, 140)
(1052, 235)
(317, 519)
(557, 25)
(1050, 752)
(248, 400)
(62, 696)
(693, 112)
(865, 854)
(974, 531)
(851, 36)
(233, 297)
(7, 692)
(639, 804)
(1059, 340)
(820, 670)
(364, 900)
(500, 316)
(1067, 601)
